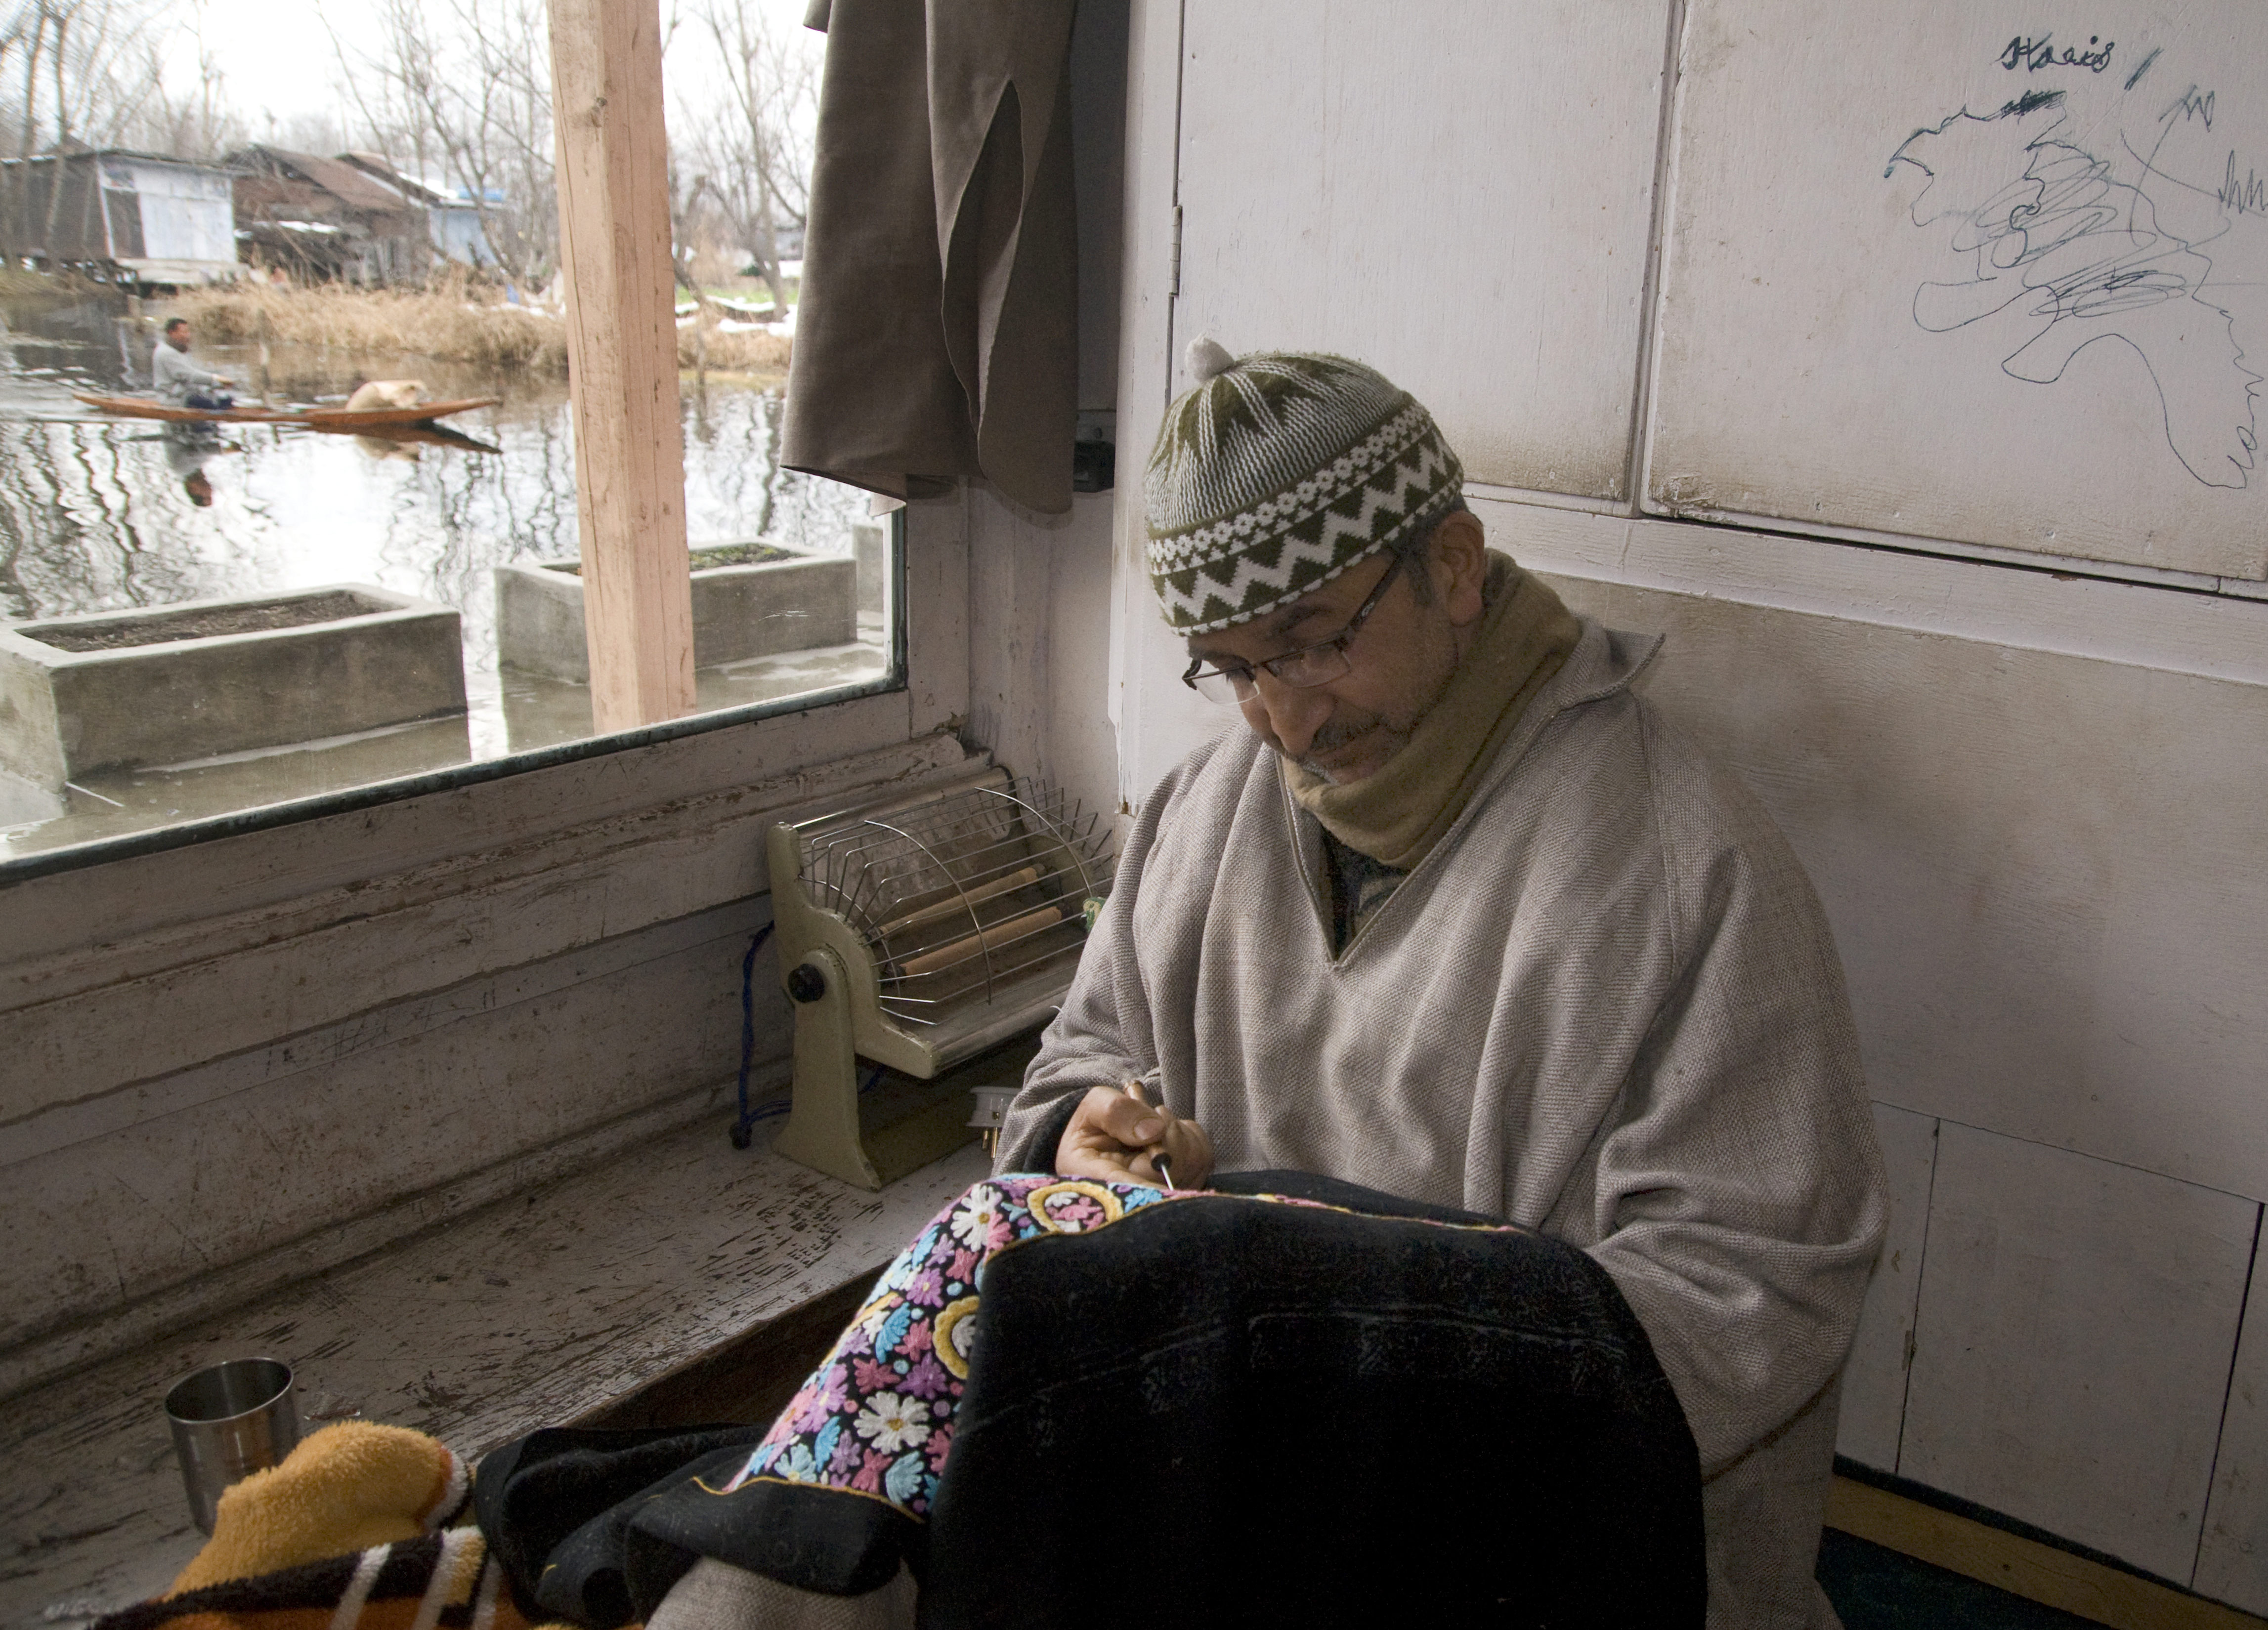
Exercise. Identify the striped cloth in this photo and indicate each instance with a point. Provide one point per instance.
(439, 1581)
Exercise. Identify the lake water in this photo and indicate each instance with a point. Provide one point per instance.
(97, 514)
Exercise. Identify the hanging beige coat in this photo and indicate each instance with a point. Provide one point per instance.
(937, 329)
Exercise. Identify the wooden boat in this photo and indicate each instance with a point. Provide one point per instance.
(311, 418)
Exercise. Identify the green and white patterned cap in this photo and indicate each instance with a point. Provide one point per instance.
(1278, 471)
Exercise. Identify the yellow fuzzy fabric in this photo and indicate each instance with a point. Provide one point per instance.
(347, 1488)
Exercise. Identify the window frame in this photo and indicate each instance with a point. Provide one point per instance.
(897, 678)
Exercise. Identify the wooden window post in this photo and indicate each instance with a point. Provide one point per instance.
(622, 348)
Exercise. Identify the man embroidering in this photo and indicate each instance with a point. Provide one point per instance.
(1460, 918)
(179, 381)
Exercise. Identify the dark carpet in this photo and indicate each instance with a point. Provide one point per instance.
(1876, 1589)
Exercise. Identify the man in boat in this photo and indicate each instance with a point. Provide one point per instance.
(178, 380)
(1461, 917)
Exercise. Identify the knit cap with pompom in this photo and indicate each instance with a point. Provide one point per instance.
(1276, 472)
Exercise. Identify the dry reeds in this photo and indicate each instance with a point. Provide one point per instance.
(734, 350)
(366, 321)
(17, 283)
(451, 323)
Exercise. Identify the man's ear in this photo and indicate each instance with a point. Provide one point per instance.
(1459, 558)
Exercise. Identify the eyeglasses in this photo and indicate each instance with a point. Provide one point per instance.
(1303, 669)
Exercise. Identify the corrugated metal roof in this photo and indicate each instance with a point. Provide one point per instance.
(136, 154)
(350, 186)
(412, 188)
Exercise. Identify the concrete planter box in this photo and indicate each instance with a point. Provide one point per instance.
(121, 689)
(780, 600)
(870, 547)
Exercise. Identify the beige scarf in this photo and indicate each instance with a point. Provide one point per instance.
(1396, 816)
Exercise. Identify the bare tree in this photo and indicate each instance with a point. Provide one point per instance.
(318, 131)
(752, 143)
(99, 59)
(464, 86)
(93, 72)
(200, 123)
(27, 33)
(90, 71)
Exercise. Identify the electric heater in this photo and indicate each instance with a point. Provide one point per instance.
(917, 936)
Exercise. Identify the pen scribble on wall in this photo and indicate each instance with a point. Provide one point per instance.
(2075, 249)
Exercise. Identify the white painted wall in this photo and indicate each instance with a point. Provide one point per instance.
(1040, 586)
(2034, 864)
(1039, 604)
(2032, 801)
(2121, 1289)
(1288, 242)
(1874, 1381)
(2040, 330)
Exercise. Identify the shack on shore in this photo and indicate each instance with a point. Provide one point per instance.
(453, 217)
(132, 218)
(327, 220)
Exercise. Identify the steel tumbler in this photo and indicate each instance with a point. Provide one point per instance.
(230, 1421)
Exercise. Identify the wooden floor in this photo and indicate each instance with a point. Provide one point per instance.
(590, 1293)
(2024, 1567)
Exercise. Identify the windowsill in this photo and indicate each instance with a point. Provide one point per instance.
(535, 714)
(551, 1305)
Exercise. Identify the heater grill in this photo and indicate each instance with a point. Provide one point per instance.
(920, 934)
(960, 900)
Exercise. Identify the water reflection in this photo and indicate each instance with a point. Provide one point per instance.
(101, 514)
(188, 448)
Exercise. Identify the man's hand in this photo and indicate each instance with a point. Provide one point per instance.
(1114, 1134)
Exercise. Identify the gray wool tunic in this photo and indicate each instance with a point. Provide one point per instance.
(172, 375)
(1606, 1005)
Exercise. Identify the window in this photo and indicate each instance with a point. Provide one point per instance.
(205, 629)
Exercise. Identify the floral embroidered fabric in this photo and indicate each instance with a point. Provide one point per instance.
(876, 1418)
(1292, 1323)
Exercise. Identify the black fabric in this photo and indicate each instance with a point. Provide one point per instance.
(1308, 1418)
(817, 1540)
(558, 1501)
(595, 1527)
(1358, 886)
(1303, 1416)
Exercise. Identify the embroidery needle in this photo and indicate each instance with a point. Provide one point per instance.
(1160, 1161)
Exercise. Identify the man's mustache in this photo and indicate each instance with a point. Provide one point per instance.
(1329, 738)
